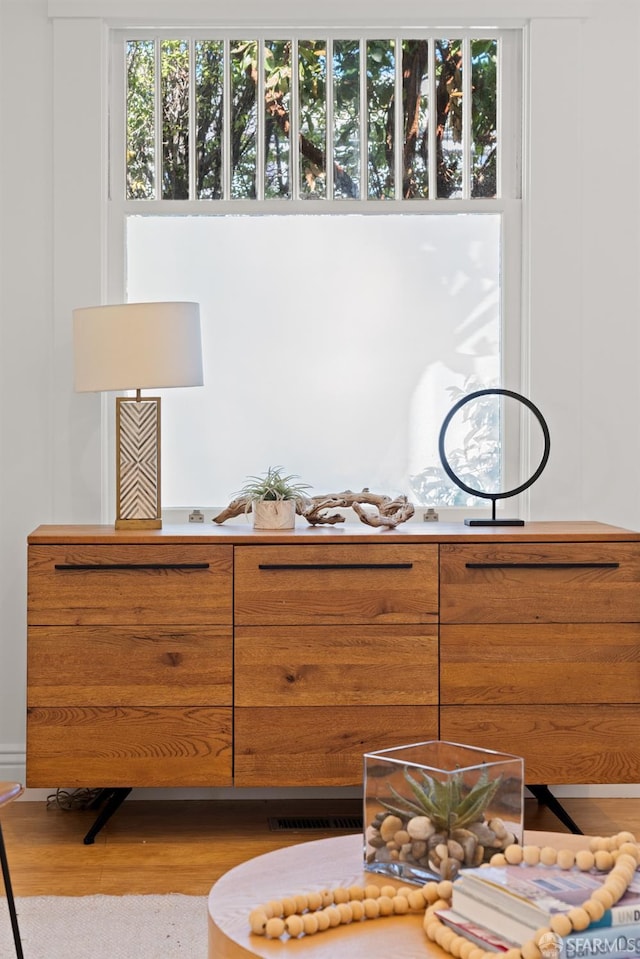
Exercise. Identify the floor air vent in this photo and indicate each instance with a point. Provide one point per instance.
(303, 823)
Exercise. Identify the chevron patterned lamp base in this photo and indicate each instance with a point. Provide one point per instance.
(138, 462)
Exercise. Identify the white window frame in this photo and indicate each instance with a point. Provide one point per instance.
(509, 125)
(508, 203)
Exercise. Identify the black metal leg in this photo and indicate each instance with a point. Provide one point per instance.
(10, 901)
(114, 799)
(546, 798)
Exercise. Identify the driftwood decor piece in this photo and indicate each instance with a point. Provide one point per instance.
(388, 511)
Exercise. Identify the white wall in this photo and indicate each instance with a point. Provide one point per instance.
(27, 374)
(583, 269)
(582, 297)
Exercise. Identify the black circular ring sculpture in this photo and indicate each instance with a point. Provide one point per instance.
(482, 493)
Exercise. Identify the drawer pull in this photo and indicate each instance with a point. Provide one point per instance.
(542, 565)
(335, 566)
(110, 566)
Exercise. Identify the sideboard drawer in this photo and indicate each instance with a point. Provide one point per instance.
(560, 744)
(324, 666)
(129, 746)
(130, 665)
(312, 746)
(336, 584)
(130, 584)
(540, 583)
(524, 664)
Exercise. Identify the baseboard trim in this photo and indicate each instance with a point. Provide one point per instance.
(13, 763)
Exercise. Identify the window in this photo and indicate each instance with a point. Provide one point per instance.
(211, 119)
(345, 304)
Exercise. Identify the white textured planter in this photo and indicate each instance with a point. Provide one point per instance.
(274, 514)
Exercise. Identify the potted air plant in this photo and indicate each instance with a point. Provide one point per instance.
(273, 498)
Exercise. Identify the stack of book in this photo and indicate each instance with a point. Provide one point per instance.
(502, 906)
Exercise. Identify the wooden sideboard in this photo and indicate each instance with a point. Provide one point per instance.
(216, 656)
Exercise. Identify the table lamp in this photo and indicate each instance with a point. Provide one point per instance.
(136, 346)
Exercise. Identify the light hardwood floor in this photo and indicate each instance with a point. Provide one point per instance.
(184, 846)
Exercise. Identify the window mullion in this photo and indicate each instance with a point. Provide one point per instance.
(432, 156)
(226, 119)
(157, 125)
(398, 118)
(260, 121)
(193, 122)
(467, 133)
(294, 122)
(118, 120)
(364, 123)
(500, 124)
(329, 121)
(508, 129)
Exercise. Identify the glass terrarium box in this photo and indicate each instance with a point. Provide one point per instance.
(431, 809)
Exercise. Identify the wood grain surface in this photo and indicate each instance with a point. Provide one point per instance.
(329, 666)
(130, 666)
(129, 746)
(327, 863)
(337, 650)
(165, 584)
(336, 584)
(559, 663)
(317, 745)
(184, 846)
(572, 744)
(569, 583)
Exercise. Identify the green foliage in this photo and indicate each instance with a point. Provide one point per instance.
(447, 804)
(273, 485)
(174, 80)
(476, 462)
(243, 118)
(209, 118)
(312, 77)
(140, 106)
(484, 60)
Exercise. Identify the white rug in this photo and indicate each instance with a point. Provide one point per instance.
(107, 927)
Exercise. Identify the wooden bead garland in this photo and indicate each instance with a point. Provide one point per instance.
(305, 915)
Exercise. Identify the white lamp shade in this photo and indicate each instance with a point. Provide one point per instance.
(135, 346)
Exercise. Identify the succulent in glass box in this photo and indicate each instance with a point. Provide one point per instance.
(432, 808)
